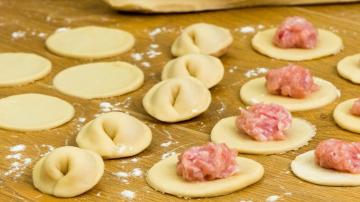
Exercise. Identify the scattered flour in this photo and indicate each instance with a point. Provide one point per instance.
(272, 198)
(151, 53)
(121, 174)
(128, 194)
(17, 148)
(247, 29)
(233, 69)
(18, 34)
(17, 156)
(62, 29)
(134, 160)
(48, 148)
(82, 119)
(166, 144)
(106, 106)
(146, 64)
(256, 72)
(137, 56)
(136, 172)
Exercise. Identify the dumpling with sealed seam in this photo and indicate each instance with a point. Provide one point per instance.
(202, 38)
(68, 171)
(177, 99)
(207, 69)
(115, 135)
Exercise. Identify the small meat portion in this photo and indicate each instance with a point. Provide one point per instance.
(292, 80)
(264, 122)
(339, 155)
(355, 109)
(208, 162)
(296, 32)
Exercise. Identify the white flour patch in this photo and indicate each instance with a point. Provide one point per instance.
(48, 149)
(233, 69)
(128, 194)
(121, 174)
(136, 172)
(166, 144)
(18, 35)
(137, 56)
(134, 160)
(62, 29)
(106, 106)
(156, 31)
(246, 29)
(82, 119)
(256, 72)
(272, 198)
(17, 148)
(146, 64)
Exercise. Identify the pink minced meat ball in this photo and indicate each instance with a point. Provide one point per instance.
(339, 155)
(296, 32)
(264, 122)
(355, 109)
(208, 162)
(292, 80)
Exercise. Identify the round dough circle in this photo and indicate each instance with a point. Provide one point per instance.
(305, 167)
(344, 118)
(177, 99)
(207, 69)
(254, 91)
(99, 80)
(32, 112)
(225, 131)
(22, 68)
(90, 42)
(349, 68)
(328, 44)
(68, 171)
(202, 38)
(115, 135)
(162, 177)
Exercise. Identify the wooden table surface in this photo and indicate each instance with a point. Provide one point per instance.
(37, 18)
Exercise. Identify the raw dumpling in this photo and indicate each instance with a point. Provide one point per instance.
(207, 69)
(177, 99)
(202, 38)
(68, 171)
(115, 135)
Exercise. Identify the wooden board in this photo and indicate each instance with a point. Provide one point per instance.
(44, 16)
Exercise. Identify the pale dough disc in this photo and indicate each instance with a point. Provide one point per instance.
(162, 177)
(349, 68)
(99, 80)
(305, 167)
(32, 112)
(22, 68)
(90, 42)
(344, 118)
(254, 91)
(328, 44)
(225, 131)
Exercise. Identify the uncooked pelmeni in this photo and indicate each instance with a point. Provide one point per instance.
(22, 68)
(349, 68)
(68, 171)
(305, 167)
(162, 177)
(328, 44)
(202, 38)
(32, 112)
(298, 135)
(254, 91)
(115, 135)
(99, 80)
(90, 42)
(207, 69)
(177, 99)
(344, 118)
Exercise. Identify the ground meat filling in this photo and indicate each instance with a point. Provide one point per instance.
(296, 32)
(355, 109)
(339, 155)
(208, 162)
(292, 80)
(264, 122)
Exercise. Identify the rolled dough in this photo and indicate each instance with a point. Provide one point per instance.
(305, 167)
(162, 177)
(90, 42)
(328, 44)
(99, 80)
(254, 91)
(22, 68)
(344, 118)
(225, 131)
(349, 68)
(32, 112)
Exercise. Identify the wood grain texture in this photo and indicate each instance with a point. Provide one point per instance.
(45, 16)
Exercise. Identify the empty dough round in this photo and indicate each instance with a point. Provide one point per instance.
(305, 167)
(32, 112)
(328, 44)
(115, 135)
(349, 68)
(99, 80)
(90, 42)
(207, 69)
(225, 131)
(68, 171)
(162, 177)
(202, 38)
(344, 118)
(22, 68)
(177, 99)
(254, 91)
